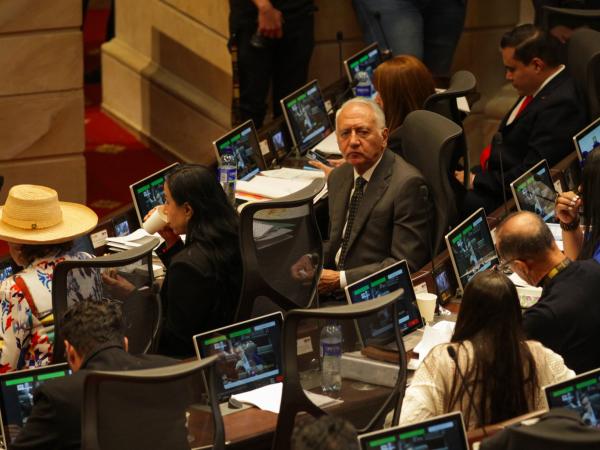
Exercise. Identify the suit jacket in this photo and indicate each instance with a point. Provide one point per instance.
(392, 222)
(543, 130)
(55, 421)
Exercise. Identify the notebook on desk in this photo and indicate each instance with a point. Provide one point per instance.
(379, 330)
(149, 192)
(250, 354)
(587, 139)
(16, 399)
(534, 191)
(443, 432)
(581, 394)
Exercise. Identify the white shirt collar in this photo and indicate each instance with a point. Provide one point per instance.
(549, 79)
(369, 172)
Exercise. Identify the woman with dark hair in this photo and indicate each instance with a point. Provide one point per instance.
(402, 84)
(504, 373)
(582, 243)
(202, 285)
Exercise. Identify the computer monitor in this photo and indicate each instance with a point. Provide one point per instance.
(534, 191)
(16, 399)
(379, 329)
(366, 60)
(587, 139)
(149, 192)
(443, 432)
(581, 394)
(250, 354)
(242, 141)
(306, 116)
(7, 268)
(121, 226)
(279, 141)
(471, 247)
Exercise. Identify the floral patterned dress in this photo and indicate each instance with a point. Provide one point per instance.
(26, 321)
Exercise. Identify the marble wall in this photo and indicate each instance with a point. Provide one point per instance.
(41, 96)
(167, 73)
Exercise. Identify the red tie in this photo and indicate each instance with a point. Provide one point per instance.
(485, 154)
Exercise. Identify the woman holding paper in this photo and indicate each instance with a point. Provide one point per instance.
(488, 371)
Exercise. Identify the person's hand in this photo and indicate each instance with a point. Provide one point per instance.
(562, 33)
(116, 284)
(303, 269)
(567, 207)
(329, 281)
(270, 20)
(325, 168)
(460, 176)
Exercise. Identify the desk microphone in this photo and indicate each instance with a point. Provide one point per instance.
(432, 251)
(497, 143)
(454, 357)
(339, 37)
(386, 53)
(342, 97)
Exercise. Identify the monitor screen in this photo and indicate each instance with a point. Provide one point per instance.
(581, 394)
(278, 142)
(587, 139)
(534, 191)
(17, 390)
(471, 247)
(7, 268)
(366, 60)
(306, 116)
(149, 192)
(379, 329)
(121, 226)
(250, 354)
(243, 143)
(444, 432)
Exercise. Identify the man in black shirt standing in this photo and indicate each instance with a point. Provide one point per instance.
(566, 318)
(274, 40)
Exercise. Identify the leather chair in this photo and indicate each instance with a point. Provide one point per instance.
(159, 409)
(140, 300)
(274, 236)
(430, 141)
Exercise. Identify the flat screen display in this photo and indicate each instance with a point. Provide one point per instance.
(149, 192)
(534, 191)
(587, 139)
(243, 143)
(581, 394)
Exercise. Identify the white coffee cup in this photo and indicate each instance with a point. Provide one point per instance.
(156, 222)
(426, 303)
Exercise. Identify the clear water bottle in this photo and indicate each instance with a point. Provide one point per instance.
(228, 175)
(363, 88)
(331, 358)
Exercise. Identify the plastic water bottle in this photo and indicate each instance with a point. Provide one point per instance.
(363, 84)
(331, 358)
(228, 175)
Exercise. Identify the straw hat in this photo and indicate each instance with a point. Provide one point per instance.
(33, 215)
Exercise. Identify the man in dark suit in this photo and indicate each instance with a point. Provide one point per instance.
(94, 340)
(378, 203)
(540, 125)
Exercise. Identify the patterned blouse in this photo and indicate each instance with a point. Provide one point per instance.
(26, 321)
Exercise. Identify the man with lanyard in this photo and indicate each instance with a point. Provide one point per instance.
(566, 317)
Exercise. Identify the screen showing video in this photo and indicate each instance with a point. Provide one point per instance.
(121, 227)
(581, 394)
(150, 192)
(472, 247)
(379, 328)
(590, 140)
(17, 395)
(445, 433)
(535, 192)
(250, 355)
(243, 144)
(308, 119)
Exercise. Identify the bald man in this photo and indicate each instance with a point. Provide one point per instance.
(566, 318)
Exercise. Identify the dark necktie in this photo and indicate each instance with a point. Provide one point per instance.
(357, 195)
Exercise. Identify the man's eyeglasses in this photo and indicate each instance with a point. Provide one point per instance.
(504, 266)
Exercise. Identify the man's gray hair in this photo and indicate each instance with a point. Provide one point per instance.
(377, 111)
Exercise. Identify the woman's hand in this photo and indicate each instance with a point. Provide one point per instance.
(166, 232)
(567, 207)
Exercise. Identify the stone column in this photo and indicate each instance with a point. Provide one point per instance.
(41, 96)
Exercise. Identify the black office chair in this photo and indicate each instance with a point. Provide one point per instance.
(584, 66)
(429, 141)
(140, 300)
(462, 83)
(294, 400)
(282, 253)
(573, 18)
(158, 409)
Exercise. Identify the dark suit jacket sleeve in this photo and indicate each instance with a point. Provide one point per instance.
(42, 428)
(540, 324)
(549, 139)
(410, 231)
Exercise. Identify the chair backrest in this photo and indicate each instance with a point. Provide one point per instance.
(462, 83)
(429, 141)
(135, 289)
(282, 253)
(294, 398)
(159, 409)
(584, 65)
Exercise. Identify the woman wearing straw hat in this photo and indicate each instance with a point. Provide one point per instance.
(40, 231)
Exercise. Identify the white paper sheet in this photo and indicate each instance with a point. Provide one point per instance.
(329, 145)
(272, 187)
(440, 333)
(289, 173)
